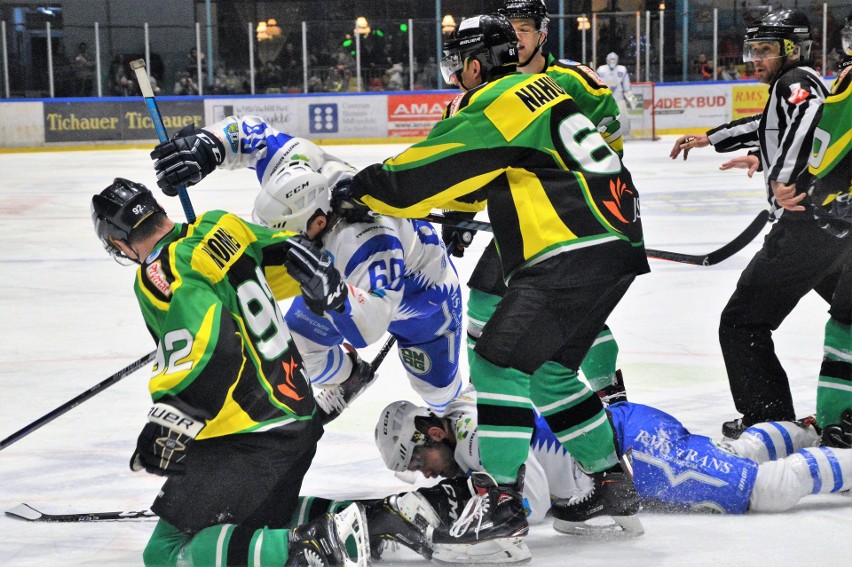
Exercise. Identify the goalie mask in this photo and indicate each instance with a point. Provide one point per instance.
(612, 60)
(118, 210)
(397, 435)
(292, 197)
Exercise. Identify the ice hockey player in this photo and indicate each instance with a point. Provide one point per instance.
(797, 255)
(234, 426)
(827, 190)
(595, 101)
(617, 79)
(768, 469)
(512, 146)
(397, 273)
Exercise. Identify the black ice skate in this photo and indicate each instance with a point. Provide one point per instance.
(612, 494)
(388, 524)
(839, 435)
(320, 543)
(491, 527)
(615, 392)
(734, 428)
(332, 401)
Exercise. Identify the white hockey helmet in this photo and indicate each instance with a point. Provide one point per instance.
(291, 197)
(612, 60)
(396, 434)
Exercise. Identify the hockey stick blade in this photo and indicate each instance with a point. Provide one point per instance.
(138, 67)
(723, 253)
(28, 513)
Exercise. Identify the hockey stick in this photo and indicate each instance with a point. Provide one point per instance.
(138, 67)
(64, 408)
(30, 514)
(377, 360)
(714, 257)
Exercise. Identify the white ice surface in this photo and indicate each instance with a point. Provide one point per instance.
(69, 320)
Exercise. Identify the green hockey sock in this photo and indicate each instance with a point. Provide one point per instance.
(480, 308)
(599, 366)
(575, 415)
(834, 390)
(506, 418)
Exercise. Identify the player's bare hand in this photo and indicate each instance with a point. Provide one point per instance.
(749, 162)
(687, 142)
(785, 195)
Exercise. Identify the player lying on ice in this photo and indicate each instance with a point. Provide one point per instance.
(397, 272)
(768, 469)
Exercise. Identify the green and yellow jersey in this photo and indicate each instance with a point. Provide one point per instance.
(208, 295)
(520, 146)
(830, 161)
(592, 95)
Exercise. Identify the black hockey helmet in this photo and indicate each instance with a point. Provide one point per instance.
(490, 39)
(791, 29)
(119, 209)
(534, 10)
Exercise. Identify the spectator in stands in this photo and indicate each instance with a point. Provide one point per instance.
(270, 78)
(63, 72)
(731, 47)
(192, 64)
(393, 80)
(185, 84)
(749, 73)
(701, 69)
(84, 70)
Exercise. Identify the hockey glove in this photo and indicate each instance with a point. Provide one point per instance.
(322, 286)
(631, 100)
(163, 444)
(186, 159)
(456, 238)
(347, 207)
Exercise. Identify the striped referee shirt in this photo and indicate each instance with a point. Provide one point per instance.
(783, 132)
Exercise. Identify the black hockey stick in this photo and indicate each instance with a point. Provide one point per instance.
(138, 67)
(67, 406)
(30, 514)
(380, 356)
(714, 257)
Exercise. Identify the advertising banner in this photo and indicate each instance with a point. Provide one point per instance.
(415, 114)
(678, 108)
(748, 100)
(124, 120)
(281, 113)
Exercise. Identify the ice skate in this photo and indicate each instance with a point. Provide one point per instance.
(839, 435)
(333, 400)
(734, 428)
(392, 521)
(613, 494)
(490, 529)
(322, 542)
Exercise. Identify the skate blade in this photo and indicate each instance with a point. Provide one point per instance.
(351, 524)
(620, 527)
(504, 550)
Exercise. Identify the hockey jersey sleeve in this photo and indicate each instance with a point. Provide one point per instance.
(251, 142)
(736, 135)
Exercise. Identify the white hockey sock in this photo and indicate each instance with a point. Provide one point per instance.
(771, 441)
(437, 398)
(831, 469)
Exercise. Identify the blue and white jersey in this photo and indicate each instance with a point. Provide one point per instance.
(673, 466)
(398, 273)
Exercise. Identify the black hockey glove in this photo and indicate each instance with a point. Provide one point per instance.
(322, 286)
(163, 444)
(186, 159)
(455, 238)
(346, 205)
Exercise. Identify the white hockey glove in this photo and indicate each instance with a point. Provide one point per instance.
(162, 446)
(322, 286)
(631, 100)
(186, 159)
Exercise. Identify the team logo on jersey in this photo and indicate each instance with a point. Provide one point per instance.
(288, 389)
(416, 360)
(155, 275)
(618, 190)
(232, 134)
(798, 94)
(592, 75)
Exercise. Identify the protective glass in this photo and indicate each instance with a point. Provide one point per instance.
(846, 39)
